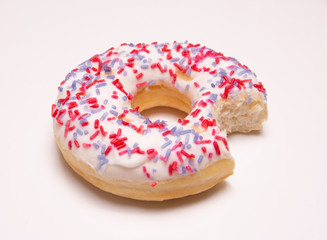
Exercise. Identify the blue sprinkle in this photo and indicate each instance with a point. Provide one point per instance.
(97, 91)
(183, 146)
(74, 85)
(189, 146)
(209, 115)
(187, 138)
(166, 139)
(135, 145)
(147, 121)
(124, 97)
(182, 61)
(119, 121)
(113, 112)
(250, 84)
(144, 66)
(83, 101)
(249, 100)
(129, 152)
(203, 88)
(103, 117)
(184, 170)
(113, 63)
(187, 87)
(93, 111)
(125, 73)
(188, 72)
(174, 60)
(103, 149)
(166, 144)
(79, 131)
(200, 159)
(168, 153)
(105, 102)
(185, 132)
(75, 135)
(172, 131)
(101, 85)
(151, 82)
(86, 132)
(213, 85)
(213, 97)
(102, 162)
(111, 76)
(95, 145)
(196, 137)
(155, 159)
(214, 64)
(113, 107)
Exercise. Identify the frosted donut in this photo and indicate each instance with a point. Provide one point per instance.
(104, 138)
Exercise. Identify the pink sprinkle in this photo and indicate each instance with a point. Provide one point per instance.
(122, 152)
(188, 168)
(86, 145)
(196, 84)
(179, 155)
(141, 84)
(210, 155)
(154, 184)
(202, 142)
(70, 144)
(76, 143)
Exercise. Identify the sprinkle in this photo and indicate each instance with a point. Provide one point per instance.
(215, 144)
(154, 184)
(94, 135)
(178, 153)
(166, 144)
(138, 85)
(138, 76)
(200, 159)
(172, 167)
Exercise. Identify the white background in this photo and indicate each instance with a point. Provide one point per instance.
(279, 188)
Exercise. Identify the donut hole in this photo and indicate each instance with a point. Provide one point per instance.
(162, 102)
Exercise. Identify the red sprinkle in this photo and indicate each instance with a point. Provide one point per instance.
(96, 123)
(172, 167)
(138, 76)
(94, 135)
(215, 144)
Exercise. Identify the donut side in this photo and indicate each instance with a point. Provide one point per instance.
(245, 112)
(162, 190)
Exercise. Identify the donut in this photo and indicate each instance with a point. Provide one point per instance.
(103, 136)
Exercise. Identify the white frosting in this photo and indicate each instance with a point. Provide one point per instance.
(125, 163)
